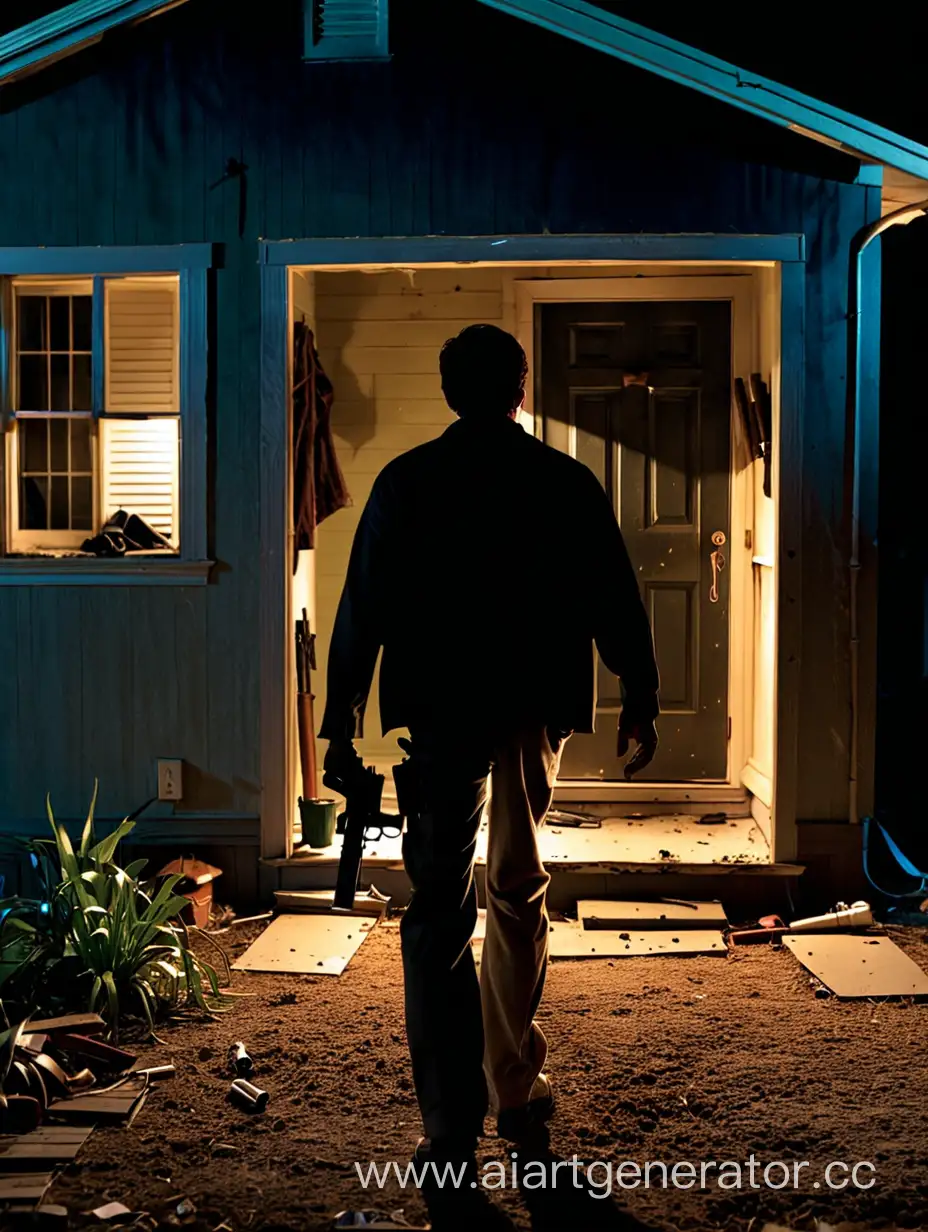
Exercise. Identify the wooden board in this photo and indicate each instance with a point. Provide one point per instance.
(43, 1148)
(570, 940)
(24, 1186)
(306, 944)
(119, 1103)
(77, 1024)
(859, 965)
(602, 913)
(319, 902)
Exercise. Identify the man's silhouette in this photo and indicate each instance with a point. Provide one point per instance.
(486, 565)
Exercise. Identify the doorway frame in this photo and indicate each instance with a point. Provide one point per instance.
(275, 259)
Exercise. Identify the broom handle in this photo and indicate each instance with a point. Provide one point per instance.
(307, 735)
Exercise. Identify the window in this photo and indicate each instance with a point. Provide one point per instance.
(96, 410)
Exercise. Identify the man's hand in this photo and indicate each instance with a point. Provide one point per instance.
(340, 759)
(645, 736)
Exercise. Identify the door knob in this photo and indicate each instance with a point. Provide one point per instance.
(717, 561)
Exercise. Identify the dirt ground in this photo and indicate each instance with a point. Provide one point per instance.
(667, 1059)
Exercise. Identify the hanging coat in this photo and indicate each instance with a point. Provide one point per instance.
(318, 484)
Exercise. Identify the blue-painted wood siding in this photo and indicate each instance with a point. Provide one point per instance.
(479, 125)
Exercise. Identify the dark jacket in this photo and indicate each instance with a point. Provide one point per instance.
(486, 564)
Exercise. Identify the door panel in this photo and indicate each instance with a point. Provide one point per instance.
(640, 392)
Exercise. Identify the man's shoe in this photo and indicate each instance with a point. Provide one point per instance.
(526, 1122)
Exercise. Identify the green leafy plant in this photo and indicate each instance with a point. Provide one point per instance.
(99, 938)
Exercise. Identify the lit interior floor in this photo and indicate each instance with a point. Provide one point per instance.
(675, 839)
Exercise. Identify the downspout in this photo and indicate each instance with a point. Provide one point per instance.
(900, 217)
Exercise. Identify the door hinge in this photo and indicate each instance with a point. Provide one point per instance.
(729, 727)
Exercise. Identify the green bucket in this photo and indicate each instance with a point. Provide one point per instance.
(317, 820)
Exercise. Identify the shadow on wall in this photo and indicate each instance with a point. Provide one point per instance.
(354, 409)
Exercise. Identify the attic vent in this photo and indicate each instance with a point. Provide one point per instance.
(346, 30)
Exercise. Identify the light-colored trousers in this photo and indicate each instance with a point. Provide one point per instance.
(457, 1028)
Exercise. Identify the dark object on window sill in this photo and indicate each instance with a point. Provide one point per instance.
(125, 532)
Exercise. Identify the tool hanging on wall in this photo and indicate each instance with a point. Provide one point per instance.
(760, 396)
(756, 421)
(305, 666)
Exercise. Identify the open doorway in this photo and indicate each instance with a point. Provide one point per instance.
(631, 370)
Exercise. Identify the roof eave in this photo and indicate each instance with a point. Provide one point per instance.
(68, 30)
(644, 48)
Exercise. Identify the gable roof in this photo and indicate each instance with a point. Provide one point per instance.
(69, 29)
(679, 62)
(66, 30)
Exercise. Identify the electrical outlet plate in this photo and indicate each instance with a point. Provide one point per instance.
(170, 779)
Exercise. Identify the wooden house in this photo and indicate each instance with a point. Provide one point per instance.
(182, 182)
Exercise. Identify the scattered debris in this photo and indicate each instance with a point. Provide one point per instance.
(112, 1210)
(239, 1060)
(307, 944)
(855, 965)
(573, 821)
(680, 913)
(155, 1073)
(712, 819)
(248, 1096)
(858, 915)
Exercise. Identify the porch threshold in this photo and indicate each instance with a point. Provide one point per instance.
(670, 843)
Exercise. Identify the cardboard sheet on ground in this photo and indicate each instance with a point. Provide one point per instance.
(320, 901)
(859, 964)
(572, 940)
(306, 944)
(602, 913)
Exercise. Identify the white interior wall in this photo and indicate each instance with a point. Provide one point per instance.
(379, 336)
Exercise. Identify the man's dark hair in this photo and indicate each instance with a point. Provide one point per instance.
(483, 372)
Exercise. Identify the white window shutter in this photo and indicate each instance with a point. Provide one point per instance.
(142, 346)
(346, 30)
(140, 427)
(140, 471)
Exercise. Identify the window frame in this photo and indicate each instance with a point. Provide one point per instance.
(191, 263)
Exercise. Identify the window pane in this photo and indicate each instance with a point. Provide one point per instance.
(58, 434)
(59, 313)
(82, 397)
(33, 503)
(60, 515)
(33, 383)
(81, 309)
(82, 503)
(80, 445)
(31, 333)
(61, 383)
(33, 440)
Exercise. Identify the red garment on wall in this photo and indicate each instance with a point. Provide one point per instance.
(319, 487)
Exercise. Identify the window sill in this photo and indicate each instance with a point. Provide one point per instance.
(100, 571)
